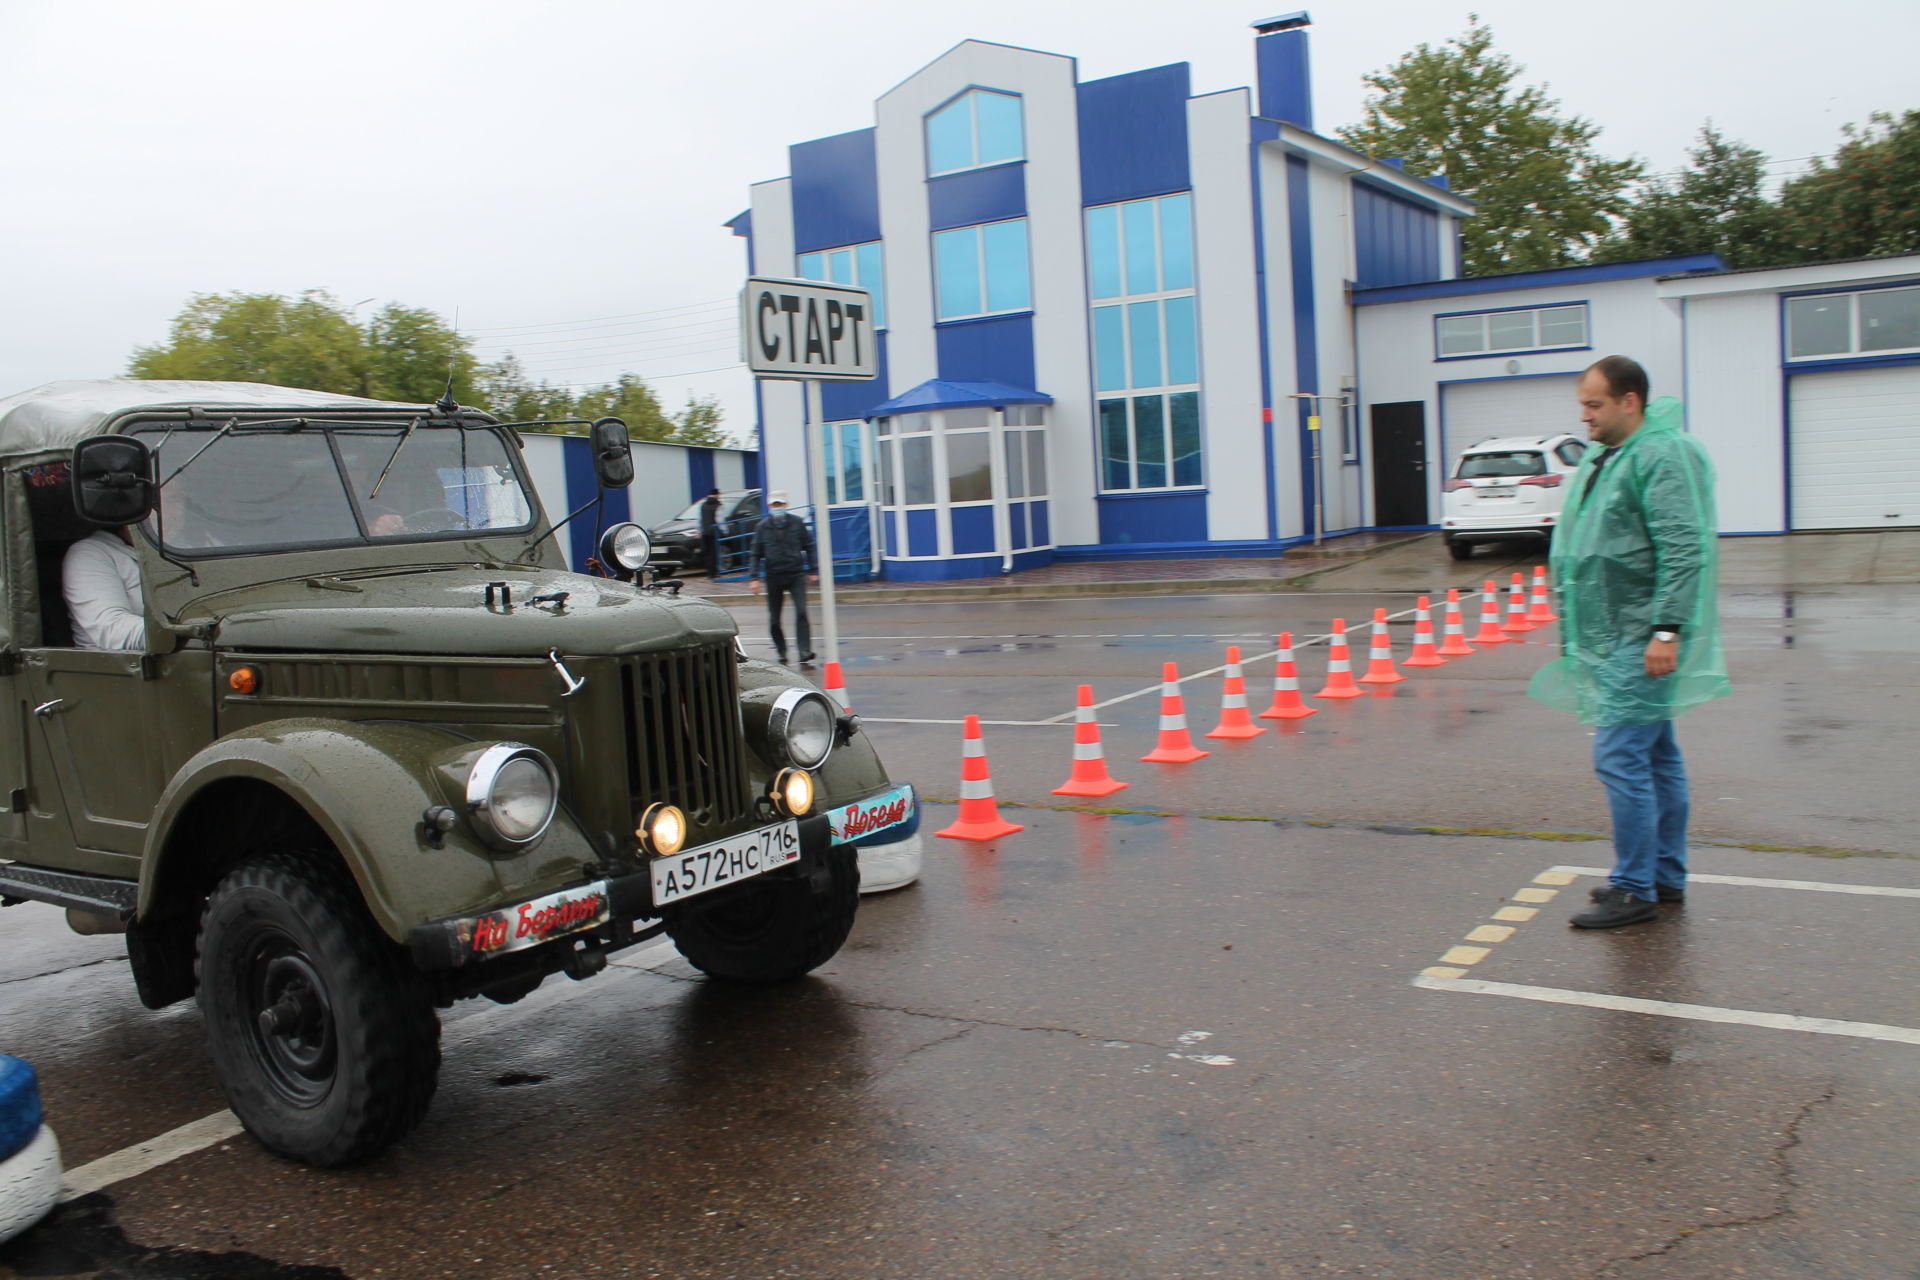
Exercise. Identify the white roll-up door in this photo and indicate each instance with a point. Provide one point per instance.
(1476, 411)
(1855, 440)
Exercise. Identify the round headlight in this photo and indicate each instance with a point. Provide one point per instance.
(662, 829)
(512, 793)
(625, 547)
(801, 725)
(793, 792)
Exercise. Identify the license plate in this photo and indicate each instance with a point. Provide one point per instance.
(1499, 491)
(741, 857)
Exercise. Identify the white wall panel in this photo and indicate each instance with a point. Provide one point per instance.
(1229, 320)
(1734, 405)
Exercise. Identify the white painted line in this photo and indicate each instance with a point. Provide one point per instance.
(1001, 724)
(1667, 1009)
(1756, 882)
(198, 1135)
(131, 1161)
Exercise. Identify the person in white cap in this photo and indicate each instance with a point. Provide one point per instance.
(783, 557)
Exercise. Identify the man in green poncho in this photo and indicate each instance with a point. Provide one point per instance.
(1635, 579)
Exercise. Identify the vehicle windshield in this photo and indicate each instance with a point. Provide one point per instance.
(691, 513)
(261, 489)
(1518, 462)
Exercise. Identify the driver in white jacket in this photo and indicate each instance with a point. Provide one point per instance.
(100, 578)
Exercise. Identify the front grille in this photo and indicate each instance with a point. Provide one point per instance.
(683, 734)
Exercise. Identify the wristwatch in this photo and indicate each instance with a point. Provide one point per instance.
(1666, 637)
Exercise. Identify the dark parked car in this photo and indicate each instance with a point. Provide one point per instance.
(676, 542)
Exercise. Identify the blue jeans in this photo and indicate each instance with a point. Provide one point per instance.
(1646, 783)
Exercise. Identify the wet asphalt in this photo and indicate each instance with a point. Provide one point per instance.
(1182, 1037)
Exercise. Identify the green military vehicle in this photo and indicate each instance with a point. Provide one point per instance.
(365, 746)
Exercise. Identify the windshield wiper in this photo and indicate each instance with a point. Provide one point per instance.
(399, 444)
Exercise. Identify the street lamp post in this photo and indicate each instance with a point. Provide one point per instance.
(1319, 483)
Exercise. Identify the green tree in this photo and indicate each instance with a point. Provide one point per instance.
(511, 396)
(311, 341)
(1866, 201)
(1718, 204)
(1546, 196)
(699, 423)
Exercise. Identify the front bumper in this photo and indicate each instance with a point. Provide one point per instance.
(611, 905)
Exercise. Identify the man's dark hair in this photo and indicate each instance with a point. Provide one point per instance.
(1622, 375)
(713, 493)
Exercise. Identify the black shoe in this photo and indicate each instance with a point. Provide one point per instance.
(1664, 892)
(807, 656)
(1613, 908)
(783, 659)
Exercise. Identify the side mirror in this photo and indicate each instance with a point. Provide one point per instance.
(113, 480)
(612, 453)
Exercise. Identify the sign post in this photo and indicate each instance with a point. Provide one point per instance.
(811, 332)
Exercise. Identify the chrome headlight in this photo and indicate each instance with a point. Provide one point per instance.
(512, 793)
(625, 547)
(801, 727)
(662, 830)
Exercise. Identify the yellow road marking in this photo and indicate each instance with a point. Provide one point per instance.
(1442, 971)
(1555, 877)
(1516, 913)
(1491, 933)
(1535, 895)
(1465, 955)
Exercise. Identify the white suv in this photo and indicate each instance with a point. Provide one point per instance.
(1508, 488)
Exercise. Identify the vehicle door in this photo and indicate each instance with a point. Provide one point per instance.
(92, 737)
(737, 532)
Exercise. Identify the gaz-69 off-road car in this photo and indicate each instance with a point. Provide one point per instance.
(352, 743)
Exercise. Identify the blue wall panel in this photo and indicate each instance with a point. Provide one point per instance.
(836, 193)
(1153, 517)
(699, 472)
(979, 195)
(972, 530)
(1396, 241)
(923, 533)
(1042, 532)
(890, 541)
(1017, 525)
(1306, 334)
(999, 349)
(1133, 135)
(583, 535)
(1286, 89)
(845, 401)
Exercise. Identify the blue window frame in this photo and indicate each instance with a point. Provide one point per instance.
(982, 270)
(857, 265)
(1146, 342)
(976, 129)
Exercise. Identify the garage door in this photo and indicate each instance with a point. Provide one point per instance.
(1476, 411)
(1856, 448)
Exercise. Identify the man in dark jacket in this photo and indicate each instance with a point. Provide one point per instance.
(783, 557)
(710, 532)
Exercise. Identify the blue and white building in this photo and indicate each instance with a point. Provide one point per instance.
(1123, 320)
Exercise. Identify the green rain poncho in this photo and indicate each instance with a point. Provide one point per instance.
(1636, 551)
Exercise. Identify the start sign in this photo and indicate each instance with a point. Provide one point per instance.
(809, 330)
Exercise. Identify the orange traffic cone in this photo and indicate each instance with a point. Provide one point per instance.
(1380, 655)
(979, 815)
(1541, 610)
(837, 687)
(1517, 605)
(1424, 653)
(1286, 687)
(1490, 616)
(1454, 643)
(1090, 776)
(1175, 746)
(1234, 721)
(1339, 669)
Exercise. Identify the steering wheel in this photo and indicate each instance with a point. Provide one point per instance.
(435, 520)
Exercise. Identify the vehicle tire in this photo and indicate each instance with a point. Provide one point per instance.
(1459, 550)
(773, 930)
(321, 1031)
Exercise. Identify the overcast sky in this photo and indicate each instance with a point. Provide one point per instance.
(555, 172)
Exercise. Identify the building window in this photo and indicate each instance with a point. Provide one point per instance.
(1872, 322)
(982, 270)
(1145, 343)
(1498, 332)
(978, 128)
(856, 264)
(845, 446)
